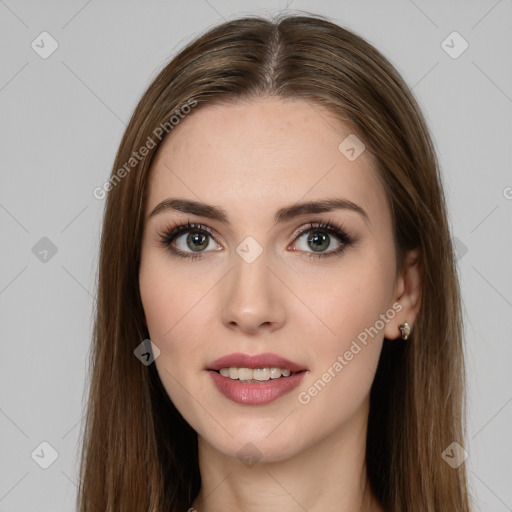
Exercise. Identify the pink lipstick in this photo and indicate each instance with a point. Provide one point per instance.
(255, 379)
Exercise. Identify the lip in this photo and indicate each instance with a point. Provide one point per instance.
(266, 360)
(255, 393)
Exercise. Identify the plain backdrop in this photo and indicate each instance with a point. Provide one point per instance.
(61, 119)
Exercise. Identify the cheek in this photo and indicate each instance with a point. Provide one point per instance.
(347, 299)
(179, 309)
(166, 298)
(346, 344)
(175, 307)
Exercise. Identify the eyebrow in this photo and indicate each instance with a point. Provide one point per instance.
(282, 215)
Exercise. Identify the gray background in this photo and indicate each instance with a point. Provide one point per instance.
(61, 122)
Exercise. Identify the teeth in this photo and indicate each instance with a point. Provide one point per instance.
(260, 374)
(275, 373)
(243, 373)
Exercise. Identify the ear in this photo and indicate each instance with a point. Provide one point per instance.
(407, 294)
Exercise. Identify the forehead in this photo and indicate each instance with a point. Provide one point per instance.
(258, 156)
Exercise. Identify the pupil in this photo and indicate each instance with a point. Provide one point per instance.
(318, 239)
(196, 241)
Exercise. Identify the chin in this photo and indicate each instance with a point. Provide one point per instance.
(250, 449)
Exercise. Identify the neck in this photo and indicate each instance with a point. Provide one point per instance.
(329, 475)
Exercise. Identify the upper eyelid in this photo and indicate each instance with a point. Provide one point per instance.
(327, 226)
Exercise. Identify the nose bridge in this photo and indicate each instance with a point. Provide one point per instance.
(251, 298)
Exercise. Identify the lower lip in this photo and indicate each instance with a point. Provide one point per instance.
(255, 393)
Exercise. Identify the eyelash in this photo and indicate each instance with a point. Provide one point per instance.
(167, 236)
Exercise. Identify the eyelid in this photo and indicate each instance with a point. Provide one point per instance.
(172, 231)
(334, 228)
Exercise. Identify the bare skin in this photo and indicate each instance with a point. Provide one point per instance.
(250, 160)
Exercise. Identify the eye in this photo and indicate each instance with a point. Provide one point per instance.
(191, 240)
(318, 237)
(195, 238)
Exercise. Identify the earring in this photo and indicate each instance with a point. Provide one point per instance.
(405, 330)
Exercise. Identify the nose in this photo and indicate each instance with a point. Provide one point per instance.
(252, 297)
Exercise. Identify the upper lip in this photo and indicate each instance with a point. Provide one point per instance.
(266, 360)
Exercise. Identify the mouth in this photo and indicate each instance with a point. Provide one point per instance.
(255, 379)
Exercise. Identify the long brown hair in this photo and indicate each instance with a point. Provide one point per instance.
(138, 453)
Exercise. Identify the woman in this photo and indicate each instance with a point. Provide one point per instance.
(278, 322)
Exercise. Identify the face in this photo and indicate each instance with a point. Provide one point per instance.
(261, 287)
